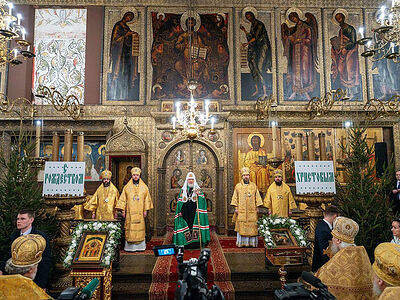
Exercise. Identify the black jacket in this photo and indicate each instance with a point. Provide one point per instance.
(322, 237)
(43, 272)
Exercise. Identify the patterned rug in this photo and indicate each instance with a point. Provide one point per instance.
(164, 275)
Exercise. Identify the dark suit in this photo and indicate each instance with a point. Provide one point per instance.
(395, 199)
(43, 272)
(322, 237)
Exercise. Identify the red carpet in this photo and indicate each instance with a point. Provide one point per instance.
(228, 244)
(165, 274)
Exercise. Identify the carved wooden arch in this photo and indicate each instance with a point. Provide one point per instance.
(161, 175)
(126, 142)
(172, 146)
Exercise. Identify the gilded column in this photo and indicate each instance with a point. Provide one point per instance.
(299, 146)
(37, 140)
(81, 141)
(322, 146)
(310, 146)
(68, 145)
(56, 146)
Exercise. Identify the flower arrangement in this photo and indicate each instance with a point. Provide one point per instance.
(266, 223)
(114, 234)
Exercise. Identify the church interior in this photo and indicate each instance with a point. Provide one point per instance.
(209, 87)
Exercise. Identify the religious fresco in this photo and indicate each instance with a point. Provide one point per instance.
(257, 53)
(251, 148)
(300, 60)
(347, 67)
(123, 55)
(173, 63)
(383, 79)
(289, 148)
(60, 45)
(93, 155)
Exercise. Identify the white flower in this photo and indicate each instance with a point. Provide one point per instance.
(292, 222)
(78, 232)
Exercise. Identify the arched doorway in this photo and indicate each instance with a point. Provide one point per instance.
(183, 157)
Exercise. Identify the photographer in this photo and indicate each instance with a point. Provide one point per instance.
(192, 280)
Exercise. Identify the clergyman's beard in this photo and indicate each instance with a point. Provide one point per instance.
(135, 181)
(190, 185)
(106, 184)
(375, 287)
(278, 183)
(246, 181)
(334, 249)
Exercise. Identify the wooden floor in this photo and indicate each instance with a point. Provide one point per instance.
(250, 277)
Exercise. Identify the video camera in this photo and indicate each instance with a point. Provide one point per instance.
(299, 292)
(76, 293)
(192, 280)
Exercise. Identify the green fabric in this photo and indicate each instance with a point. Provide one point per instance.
(180, 238)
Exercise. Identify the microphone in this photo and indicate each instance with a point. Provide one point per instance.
(311, 279)
(88, 290)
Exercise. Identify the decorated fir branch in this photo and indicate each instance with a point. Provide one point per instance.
(266, 223)
(114, 234)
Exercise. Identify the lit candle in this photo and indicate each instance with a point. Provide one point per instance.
(361, 30)
(173, 123)
(23, 33)
(10, 7)
(37, 141)
(393, 2)
(28, 48)
(212, 120)
(392, 46)
(369, 44)
(19, 19)
(206, 106)
(382, 16)
(390, 18)
(274, 141)
(192, 104)
(15, 53)
(178, 107)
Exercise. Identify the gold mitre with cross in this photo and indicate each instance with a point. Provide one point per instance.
(27, 250)
(345, 229)
(387, 263)
(278, 172)
(245, 171)
(106, 174)
(136, 171)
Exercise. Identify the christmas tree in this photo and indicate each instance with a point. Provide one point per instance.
(364, 197)
(19, 189)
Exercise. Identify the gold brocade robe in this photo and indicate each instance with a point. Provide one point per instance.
(246, 198)
(390, 293)
(134, 201)
(103, 202)
(348, 274)
(17, 287)
(279, 200)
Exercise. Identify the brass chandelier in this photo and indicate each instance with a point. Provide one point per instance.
(13, 46)
(385, 42)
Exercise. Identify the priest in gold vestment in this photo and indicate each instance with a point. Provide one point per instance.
(279, 199)
(348, 273)
(26, 254)
(134, 202)
(102, 204)
(246, 200)
(386, 271)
